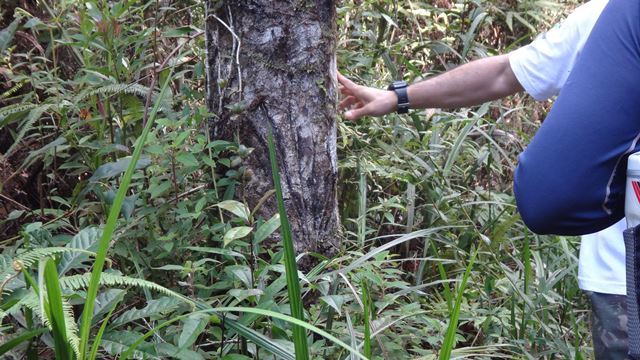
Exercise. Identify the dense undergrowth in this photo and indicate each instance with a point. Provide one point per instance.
(435, 258)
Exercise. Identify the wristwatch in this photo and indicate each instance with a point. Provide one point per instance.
(400, 88)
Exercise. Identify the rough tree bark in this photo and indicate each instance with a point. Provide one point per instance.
(272, 63)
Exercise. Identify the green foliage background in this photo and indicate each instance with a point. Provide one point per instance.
(435, 262)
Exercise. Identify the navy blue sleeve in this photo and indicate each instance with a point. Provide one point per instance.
(570, 180)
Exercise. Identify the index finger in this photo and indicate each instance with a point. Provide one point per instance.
(346, 82)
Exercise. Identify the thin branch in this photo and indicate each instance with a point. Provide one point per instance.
(230, 29)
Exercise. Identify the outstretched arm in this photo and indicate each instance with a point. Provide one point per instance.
(470, 84)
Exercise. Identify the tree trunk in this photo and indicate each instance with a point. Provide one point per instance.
(272, 63)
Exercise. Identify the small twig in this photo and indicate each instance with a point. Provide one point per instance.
(14, 202)
(191, 191)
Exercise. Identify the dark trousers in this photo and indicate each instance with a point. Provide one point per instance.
(609, 326)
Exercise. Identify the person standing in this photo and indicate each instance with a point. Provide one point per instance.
(542, 69)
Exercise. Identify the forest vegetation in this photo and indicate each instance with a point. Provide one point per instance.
(122, 234)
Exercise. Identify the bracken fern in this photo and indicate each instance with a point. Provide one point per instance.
(76, 282)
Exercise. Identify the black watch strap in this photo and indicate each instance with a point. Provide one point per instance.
(400, 88)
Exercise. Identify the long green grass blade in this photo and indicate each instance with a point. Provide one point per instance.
(363, 259)
(293, 283)
(56, 312)
(125, 355)
(449, 339)
(443, 277)
(98, 337)
(110, 225)
(455, 149)
(26, 336)
(260, 340)
(367, 320)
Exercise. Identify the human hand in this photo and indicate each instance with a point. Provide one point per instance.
(365, 101)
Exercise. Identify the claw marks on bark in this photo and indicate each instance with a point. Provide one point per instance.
(288, 70)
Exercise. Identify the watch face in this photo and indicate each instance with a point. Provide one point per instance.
(397, 85)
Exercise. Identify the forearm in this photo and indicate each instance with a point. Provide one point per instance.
(470, 84)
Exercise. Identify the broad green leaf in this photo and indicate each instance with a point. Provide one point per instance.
(174, 352)
(266, 229)
(116, 342)
(156, 190)
(170, 267)
(335, 301)
(6, 35)
(212, 250)
(235, 207)
(240, 272)
(192, 327)
(14, 214)
(105, 301)
(200, 204)
(36, 24)
(86, 239)
(128, 205)
(242, 294)
(154, 308)
(112, 169)
(180, 31)
(187, 159)
(236, 233)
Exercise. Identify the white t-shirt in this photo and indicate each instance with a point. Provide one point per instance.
(542, 68)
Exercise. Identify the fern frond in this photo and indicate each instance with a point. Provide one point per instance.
(71, 327)
(32, 301)
(13, 109)
(13, 90)
(134, 89)
(76, 282)
(27, 125)
(112, 89)
(33, 256)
